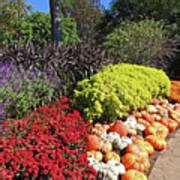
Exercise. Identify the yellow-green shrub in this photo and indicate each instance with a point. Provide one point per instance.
(119, 89)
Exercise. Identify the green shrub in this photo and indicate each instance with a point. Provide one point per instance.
(119, 89)
(69, 31)
(145, 42)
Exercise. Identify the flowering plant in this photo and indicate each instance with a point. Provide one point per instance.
(50, 144)
(22, 90)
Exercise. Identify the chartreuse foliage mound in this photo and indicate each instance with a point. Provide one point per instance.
(119, 89)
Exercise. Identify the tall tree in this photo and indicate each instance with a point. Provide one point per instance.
(86, 14)
(136, 10)
(55, 11)
(11, 11)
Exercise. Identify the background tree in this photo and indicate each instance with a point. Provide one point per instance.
(19, 25)
(136, 10)
(11, 12)
(86, 14)
(55, 11)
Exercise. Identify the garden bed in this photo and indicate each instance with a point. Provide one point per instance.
(130, 125)
(121, 146)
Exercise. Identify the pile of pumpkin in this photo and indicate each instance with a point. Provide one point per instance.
(123, 148)
(175, 91)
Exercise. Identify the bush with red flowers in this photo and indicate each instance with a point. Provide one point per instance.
(49, 144)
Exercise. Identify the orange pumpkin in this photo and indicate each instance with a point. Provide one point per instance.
(137, 162)
(138, 115)
(133, 175)
(132, 132)
(111, 156)
(137, 137)
(143, 122)
(146, 145)
(177, 108)
(119, 127)
(157, 129)
(136, 149)
(157, 142)
(149, 118)
(93, 142)
(175, 115)
(169, 123)
(155, 102)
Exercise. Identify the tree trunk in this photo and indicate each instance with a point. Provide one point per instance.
(55, 21)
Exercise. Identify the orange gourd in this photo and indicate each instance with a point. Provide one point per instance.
(137, 162)
(137, 137)
(146, 145)
(176, 108)
(95, 155)
(111, 156)
(175, 115)
(155, 102)
(98, 129)
(119, 127)
(157, 142)
(133, 175)
(143, 122)
(106, 146)
(137, 149)
(157, 129)
(93, 142)
(169, 123)
(132, 132)
(157, 117)
(175, 91)
(138, 115)
(149, 118)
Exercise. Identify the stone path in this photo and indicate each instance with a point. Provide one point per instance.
(167, 166)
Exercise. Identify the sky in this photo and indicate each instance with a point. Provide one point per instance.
(43, 5)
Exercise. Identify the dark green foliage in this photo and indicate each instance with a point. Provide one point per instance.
(11, 13)
(39, 26)
(174, 70)
(119, 89)
(69, 64)
(69, 31)
(145, 42)
(136, 10)
(36, 28)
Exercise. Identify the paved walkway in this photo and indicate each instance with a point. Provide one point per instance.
(167, 166)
